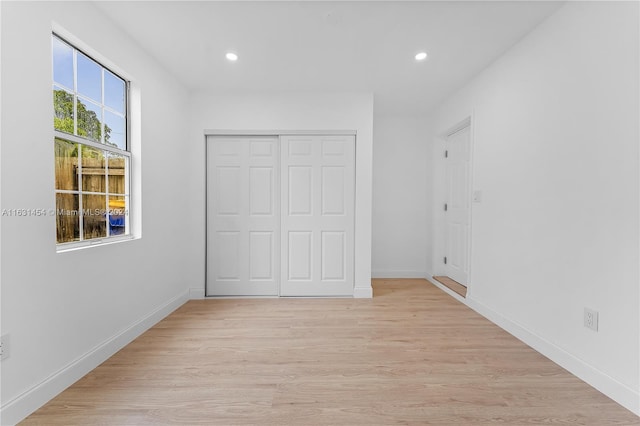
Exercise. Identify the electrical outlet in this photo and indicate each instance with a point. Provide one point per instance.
(591, 319)
(4, 347)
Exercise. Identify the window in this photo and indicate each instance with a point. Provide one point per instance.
(91, 145)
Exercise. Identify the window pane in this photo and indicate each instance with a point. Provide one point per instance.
(94, 216)
(66, 164)
(92, 184)
(114, 90)
(67, 218)
(93, 172)
(117, 165)
(89, 120)
(117, 215)
(89, 78)
(114, 132)
(62, 110)
(62, 63)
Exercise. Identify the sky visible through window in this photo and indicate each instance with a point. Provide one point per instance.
(99, 93)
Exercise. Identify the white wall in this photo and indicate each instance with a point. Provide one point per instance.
(555, 135)
(67, 312)
(401, 163)
(301, 111)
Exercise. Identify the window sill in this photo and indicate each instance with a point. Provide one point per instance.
(98, 242)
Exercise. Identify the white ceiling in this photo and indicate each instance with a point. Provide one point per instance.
(330, 46)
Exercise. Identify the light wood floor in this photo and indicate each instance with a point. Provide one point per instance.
(410, 355)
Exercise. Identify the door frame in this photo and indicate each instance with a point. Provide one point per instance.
(278, 134)
(439, 197)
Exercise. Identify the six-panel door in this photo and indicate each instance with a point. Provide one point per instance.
(458, 211)
(280, 215)
(243, 216)
(317, 205)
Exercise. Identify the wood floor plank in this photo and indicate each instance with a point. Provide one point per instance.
(410, 355)
(452, 285)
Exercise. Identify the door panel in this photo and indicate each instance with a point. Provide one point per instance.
(243, 216)
(318, 199)
(261, 251)
(228, 259)
(227, 186)
(261, 191)
(300, 188)
(262, 148)
(300, 147)
(333, 256)
(458, 211)
(300, 255)
(333, 187)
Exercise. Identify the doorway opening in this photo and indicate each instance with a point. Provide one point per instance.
(453, 266)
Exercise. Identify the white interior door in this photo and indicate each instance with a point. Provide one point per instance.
(457, 214)
(243, 216)
(318, 203)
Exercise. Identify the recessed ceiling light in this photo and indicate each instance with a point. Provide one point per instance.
(421, 56)
(232, 56)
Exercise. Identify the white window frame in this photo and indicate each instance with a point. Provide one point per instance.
(85, 142)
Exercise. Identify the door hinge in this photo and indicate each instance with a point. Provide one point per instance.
(445, 207)
(446, 154)
(445, 260)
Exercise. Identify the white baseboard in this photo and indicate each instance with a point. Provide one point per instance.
(363, 292)
(196, 293)
(397, 274)
(428, 276)
(29, 401)
(620, 393)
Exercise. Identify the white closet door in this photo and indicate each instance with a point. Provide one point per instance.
(243, 216)
(318, 202)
